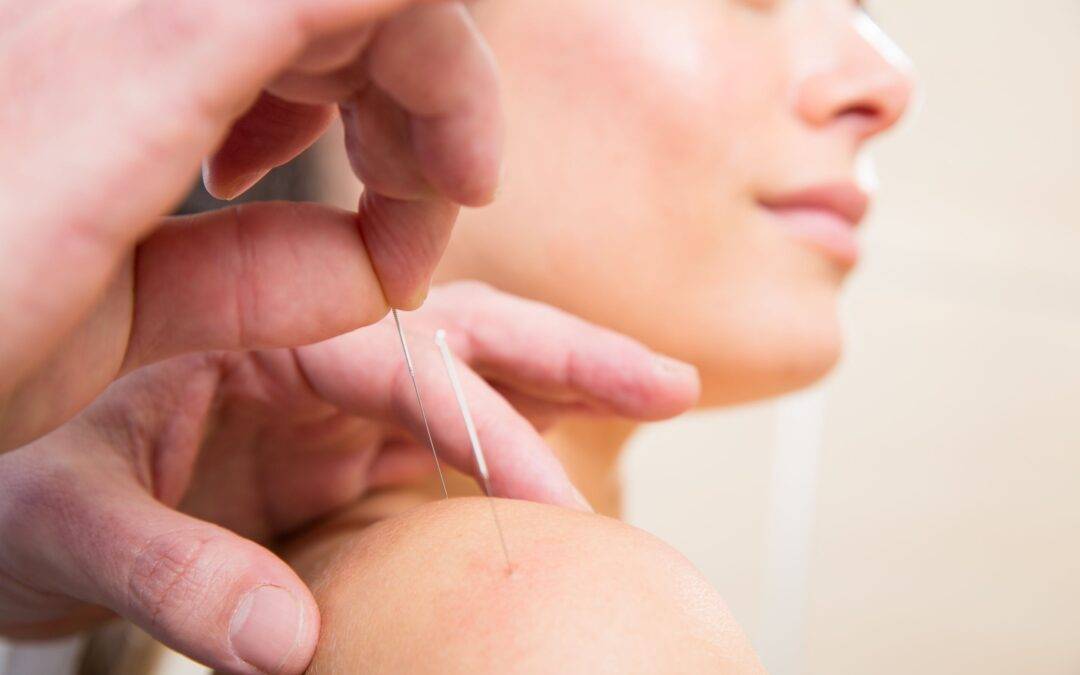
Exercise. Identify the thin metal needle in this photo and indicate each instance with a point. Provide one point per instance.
(420, 401)
(474, 439)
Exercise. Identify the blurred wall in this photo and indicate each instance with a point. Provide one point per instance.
(947, 508)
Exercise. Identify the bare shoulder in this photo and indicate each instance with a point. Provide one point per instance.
(429, 591)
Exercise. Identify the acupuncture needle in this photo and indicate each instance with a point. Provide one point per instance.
(419, 401)
(474, 439)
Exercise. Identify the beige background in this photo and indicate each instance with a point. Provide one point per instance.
(946, 530)
(946, 516)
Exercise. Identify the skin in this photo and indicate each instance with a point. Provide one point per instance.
(428, 591)
(645, 142)
(159, 335)
(157, 502)
(648, 145)
(643, 139)
(89, 270)
(661, 125)
(649, 133)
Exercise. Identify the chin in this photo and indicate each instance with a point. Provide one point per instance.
(772, 359)
(744, 385)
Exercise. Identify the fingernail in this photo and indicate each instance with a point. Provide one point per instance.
(266, 627)
(672, 367)
(582, 502)
(418, 298)
(239, 185)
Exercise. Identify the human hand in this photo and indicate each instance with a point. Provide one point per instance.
(113, 104)
(150, 502)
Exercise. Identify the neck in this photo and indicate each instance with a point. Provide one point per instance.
(590, 449)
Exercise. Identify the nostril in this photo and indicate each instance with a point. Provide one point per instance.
(865, 119)
(864, 110)
(878, 109)
(868, 99)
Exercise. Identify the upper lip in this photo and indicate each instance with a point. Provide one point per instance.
(844, 199)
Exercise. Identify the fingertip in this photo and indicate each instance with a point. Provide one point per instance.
(461, 156)
(627, 379)
(405, 241)
(536, 476)
(274, 629)
(474, 182)
(581, 503)
(404, 294)
(416, 299)
(270, 134)
(206, 174)
(477, 194)
(555, 491)
(676, 371)
(567, 496)
(274, 623)
(679, 382)
(472, 190)
(227, 187)
(309, 633)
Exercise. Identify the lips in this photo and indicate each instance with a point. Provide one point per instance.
(823, 217)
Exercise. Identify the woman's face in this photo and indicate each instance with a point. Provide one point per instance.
(688, 172)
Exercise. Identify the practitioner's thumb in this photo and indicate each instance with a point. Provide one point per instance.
(200, 589)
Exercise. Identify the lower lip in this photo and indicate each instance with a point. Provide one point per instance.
(825, 231)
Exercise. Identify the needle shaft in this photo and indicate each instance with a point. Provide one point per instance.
(419, 401)
(474, 439)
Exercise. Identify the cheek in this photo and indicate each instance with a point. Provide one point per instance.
(679, 107)
(666, 113)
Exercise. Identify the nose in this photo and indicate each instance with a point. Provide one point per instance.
(866, 86)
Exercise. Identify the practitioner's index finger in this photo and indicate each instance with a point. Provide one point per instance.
(364, 373)
(256, 276)
(433, 62)
(551, 354)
